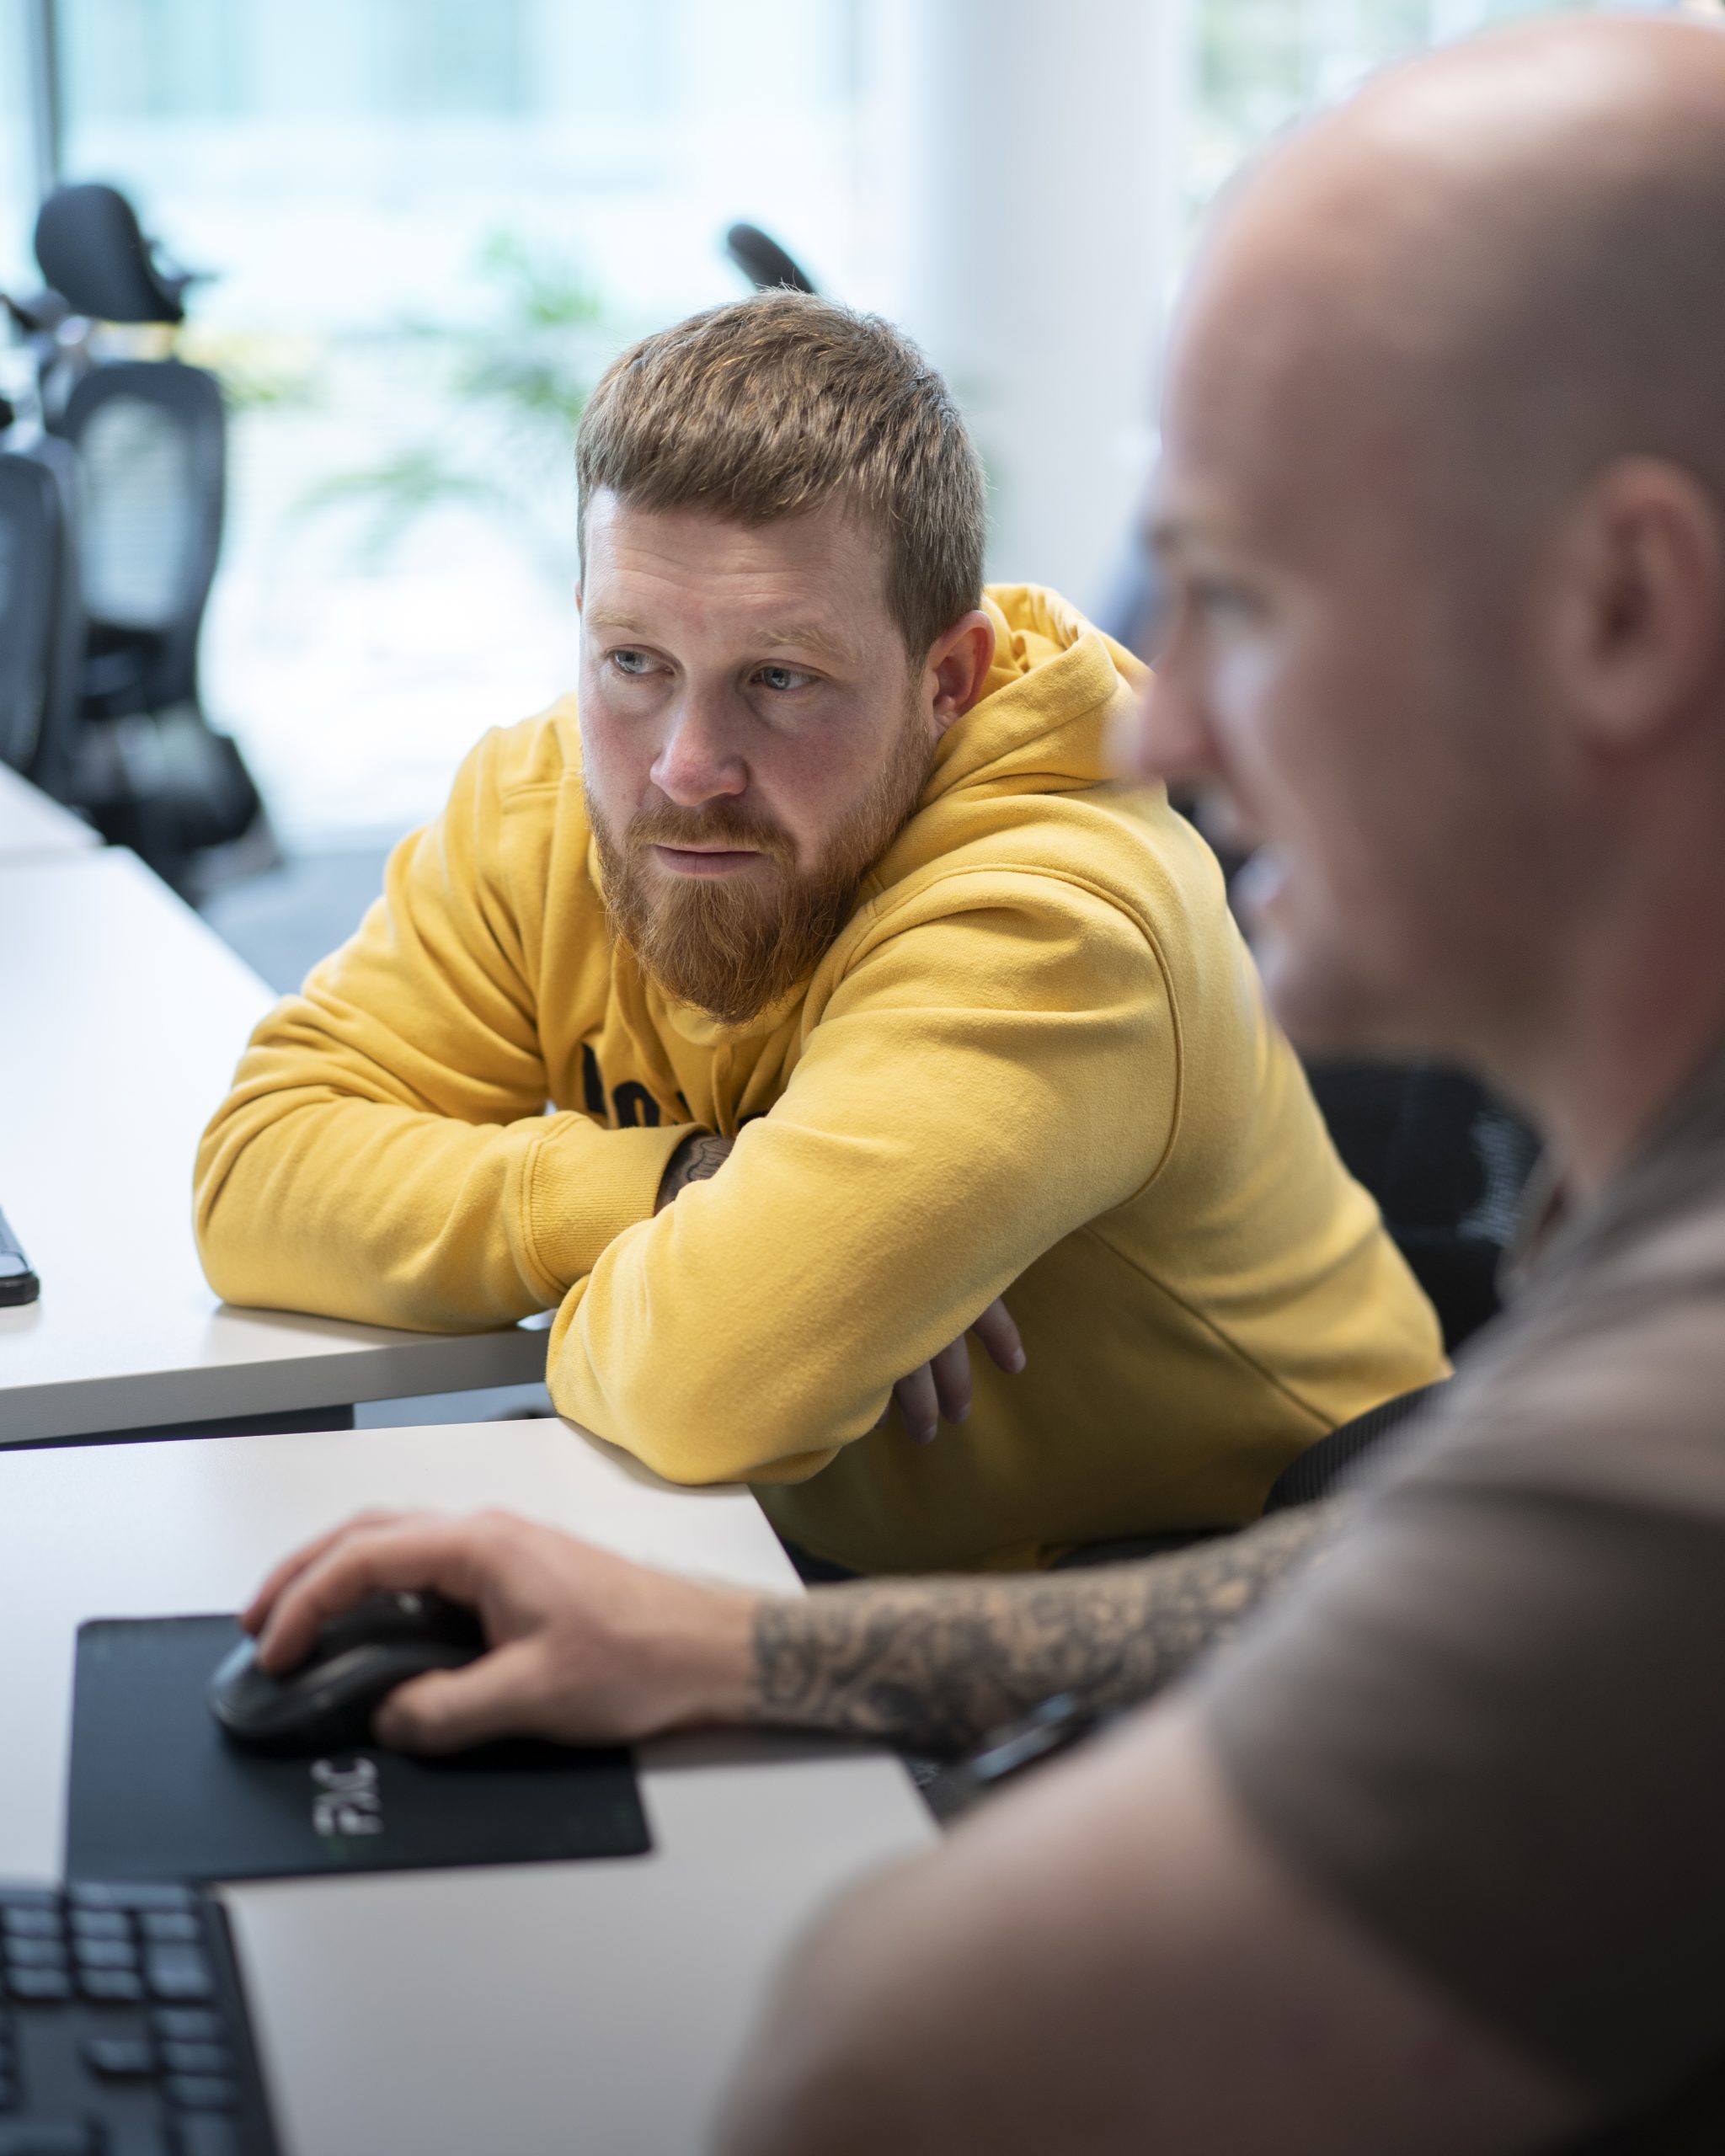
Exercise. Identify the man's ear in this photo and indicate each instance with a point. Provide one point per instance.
(1638, 628)
(958, 664)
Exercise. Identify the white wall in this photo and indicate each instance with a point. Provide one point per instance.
(1023, 153)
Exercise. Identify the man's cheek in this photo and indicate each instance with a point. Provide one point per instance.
(617, 757)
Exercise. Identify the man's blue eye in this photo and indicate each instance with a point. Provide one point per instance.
(781, 677)
(630, 661)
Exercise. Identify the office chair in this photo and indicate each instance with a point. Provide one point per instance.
(150, 437)
(41, 621)
(1447, 1162)
(1324, 1468)
(150, 442)
(91, 251)
(764, 262)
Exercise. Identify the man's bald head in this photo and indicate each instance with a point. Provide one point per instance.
(1442, 511)
(1511, 251)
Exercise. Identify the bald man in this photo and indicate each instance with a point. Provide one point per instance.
(1428, 1858)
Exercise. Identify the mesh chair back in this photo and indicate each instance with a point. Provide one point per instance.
(150, 438)
(41, 628)
(140, 514)
(1446, 1161)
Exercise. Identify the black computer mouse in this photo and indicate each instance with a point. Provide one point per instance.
(327, 1703)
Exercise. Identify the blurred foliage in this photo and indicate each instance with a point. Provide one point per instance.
(259, 372)
(516, 382)
(400, 489)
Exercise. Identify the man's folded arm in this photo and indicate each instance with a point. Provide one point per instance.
(384, 1154)
(984, 1081)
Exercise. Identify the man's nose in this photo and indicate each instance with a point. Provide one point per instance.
(697, 761)
(1167, 736)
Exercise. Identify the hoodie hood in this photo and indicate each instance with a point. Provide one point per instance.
(1041, 724)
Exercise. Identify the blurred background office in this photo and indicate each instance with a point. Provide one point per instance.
(428, 224)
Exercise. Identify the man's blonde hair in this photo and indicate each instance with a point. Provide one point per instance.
(777, 404)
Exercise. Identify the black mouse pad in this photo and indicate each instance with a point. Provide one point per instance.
(157, 1792)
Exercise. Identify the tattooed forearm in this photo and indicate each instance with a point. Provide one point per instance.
(702, 1155)
(934, 1665)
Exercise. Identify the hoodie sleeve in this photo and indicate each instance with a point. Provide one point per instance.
(384, 1153)
(1000, 1066)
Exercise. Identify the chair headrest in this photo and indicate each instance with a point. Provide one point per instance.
(763, 261)
(93, 253)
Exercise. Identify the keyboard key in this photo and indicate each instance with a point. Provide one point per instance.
(120, 2058)
(101, 1924)
(196, 2058)
(29, 1924)
(35, 1953)
(178, 1972)
(207, 2133)
(168, 1925)
(112, 1986)
(34, 1986)
(187, 2024)
(136, 2138)
(45, 2137)
(201, 2092)
(105, 1953)
(141, 1897)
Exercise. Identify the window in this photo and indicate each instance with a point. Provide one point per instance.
(17, 169)
(1259, 65)
(430, 223)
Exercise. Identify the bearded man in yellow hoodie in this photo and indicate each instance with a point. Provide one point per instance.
(771, 1008)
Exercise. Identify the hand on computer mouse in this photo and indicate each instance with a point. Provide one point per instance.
(330, 1700)
(586, 1648)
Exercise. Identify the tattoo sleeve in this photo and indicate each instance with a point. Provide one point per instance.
(699, 1156)
(934, 1665)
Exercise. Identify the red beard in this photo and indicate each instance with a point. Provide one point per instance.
(735, 945)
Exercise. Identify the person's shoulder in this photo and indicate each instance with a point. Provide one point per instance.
(523, 781)
(540, 754)
(517, 816)
(1606, 1387)
(1068, 853)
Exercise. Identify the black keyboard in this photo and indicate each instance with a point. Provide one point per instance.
(122, 2030)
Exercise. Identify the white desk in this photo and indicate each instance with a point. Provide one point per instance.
(512, 2011)
(31, 824)
(122, 1018)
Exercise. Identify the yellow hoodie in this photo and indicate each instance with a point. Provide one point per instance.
(1035, 1062)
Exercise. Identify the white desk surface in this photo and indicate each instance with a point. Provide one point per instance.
(31, 824)
(122, 1018)
(513, 2010)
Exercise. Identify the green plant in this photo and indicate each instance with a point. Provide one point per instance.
(515, 382)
